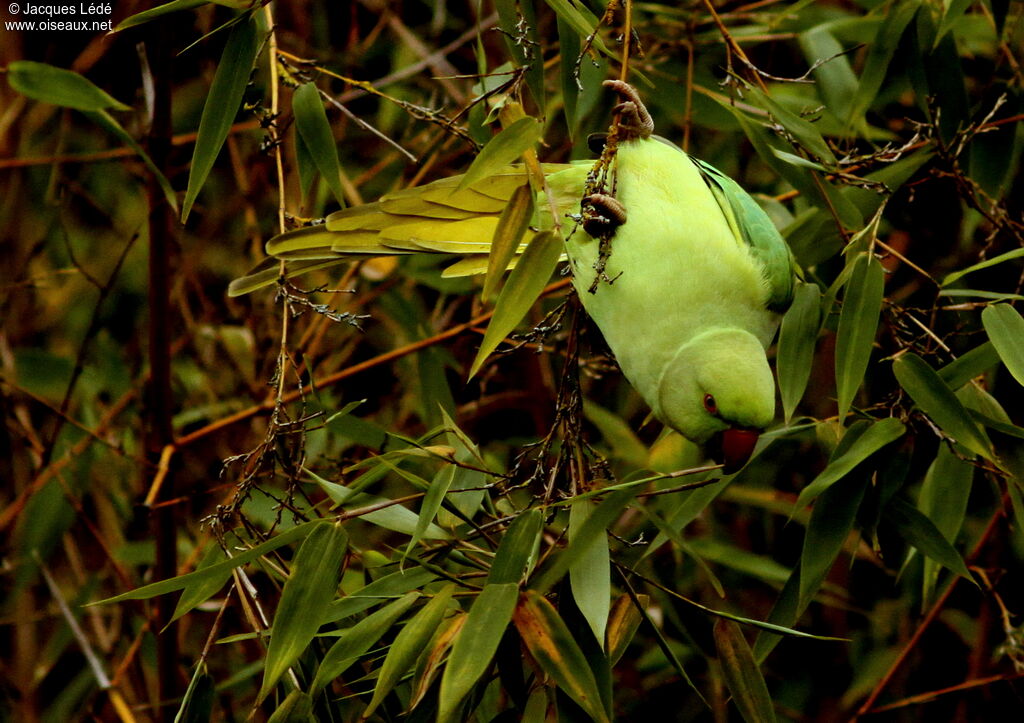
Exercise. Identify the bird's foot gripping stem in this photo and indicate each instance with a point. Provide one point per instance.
(634, 120)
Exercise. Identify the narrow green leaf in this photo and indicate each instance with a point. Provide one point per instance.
(943, 499)
(970, 365)
(570, 45)
(805, 132)
(1005, 327)
(214, 571)
(312, 585)
(617, 433)
(408, 645)
(920, 532)
(858, 322)
(797, 337)
(878, 435)
(474, 648)
(742, 676)
(836, 81)
(986, 264)
(296, 708)
(954, 11)
(517, 551)
(314, 128)
(306, 165)
(553, 647)
(939, 402)
(523, 287)
(831, 521)
(512, 225)
(388, 587)
(432, 502)
(153, 13)
(355, 641)
(590, 576)
(202, 588)
(880, 55)
(66, 88)
(502, 150)
(582, 20)
(197, 703)
(221, 106)
(596, 525)
(393, 517)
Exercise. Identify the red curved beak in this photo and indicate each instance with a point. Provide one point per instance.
(734, 447)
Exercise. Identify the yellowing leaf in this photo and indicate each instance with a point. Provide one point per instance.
(742, 676)
(502, 149)
(553, 647)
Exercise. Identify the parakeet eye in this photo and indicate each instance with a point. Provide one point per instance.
(710, 404)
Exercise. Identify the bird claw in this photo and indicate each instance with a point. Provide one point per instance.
(634, 120)
(602, 214)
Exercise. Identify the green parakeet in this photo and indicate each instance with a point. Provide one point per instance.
(692, 288)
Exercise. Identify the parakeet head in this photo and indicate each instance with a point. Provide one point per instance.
(718, 390)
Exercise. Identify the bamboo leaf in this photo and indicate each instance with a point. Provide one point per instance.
(312, 585)
(1005, 327)
(880, 55)
(939, 402)
(797, 337)
(202, 588)
(970, 365)
(518, 549)
(836, 81)
(503, 149)
(153, 13)
(590, 575)
(218, 570)
(221, 106)
(197, 703)
(986, 264)
(623, 621)
(553, 647)
(432, 502)
(58, 86)
(920, 532)
(844, 460)
(386, 588)
(596, 524)
(315, 130)
(408, 645)
(296, 708)
(742, 676)
(858, 322)
(805, 132)
(355, 641)
(582, 21)
(474, 648)
(508, 234)
(831, 521)
(393, 517)
(943, 499)
(523, 287)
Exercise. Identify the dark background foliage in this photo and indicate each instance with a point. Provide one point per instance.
(152, 423)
